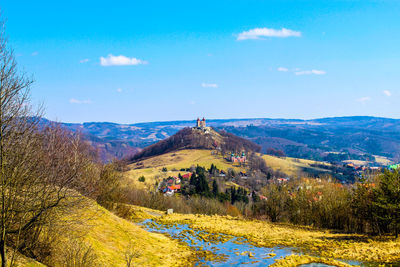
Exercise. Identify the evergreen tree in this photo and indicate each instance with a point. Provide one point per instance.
(215, 188)
(192, 179)
(202, 185)
(233, 195)
(192, 184)
(199, 170)
(386, 201)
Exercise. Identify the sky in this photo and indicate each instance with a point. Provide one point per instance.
(138, 61)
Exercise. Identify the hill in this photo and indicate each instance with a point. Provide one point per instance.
(107, 239)
(111, 236)
(295, 166)
(156, 168)
(174, 163)
(331, 139)
(197, 138)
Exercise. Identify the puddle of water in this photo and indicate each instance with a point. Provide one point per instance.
(226, 249)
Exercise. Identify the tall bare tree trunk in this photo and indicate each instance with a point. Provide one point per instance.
(3, 252)
(2, 178)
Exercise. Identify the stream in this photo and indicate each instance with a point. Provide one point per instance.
(224, 250)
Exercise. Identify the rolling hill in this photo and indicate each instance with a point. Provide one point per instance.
(295, 166)
(197, 138)
(187, 148)
(107, 239)
(174, 162)
(331, 139)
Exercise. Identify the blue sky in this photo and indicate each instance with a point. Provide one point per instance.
(136, 61)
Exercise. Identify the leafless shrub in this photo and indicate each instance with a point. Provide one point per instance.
(131, 253)
(78, 254)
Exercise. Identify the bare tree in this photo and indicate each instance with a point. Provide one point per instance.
(14, 92)
(131, 253)
(78, 254)
(39, 166)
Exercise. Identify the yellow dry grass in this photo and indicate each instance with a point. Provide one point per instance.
(297, 260)
(151, 168)
(383, 160)
(291, 166)
(356, 162)
(322, 243)
(110, 238)
(135, 213)
(22, 261)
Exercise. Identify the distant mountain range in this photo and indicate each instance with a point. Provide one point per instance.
(332, 139)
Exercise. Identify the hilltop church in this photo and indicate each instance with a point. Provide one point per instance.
(201, 124)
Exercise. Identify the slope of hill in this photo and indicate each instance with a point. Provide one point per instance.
(295, 166)
(174, 162)
(108, 239)
(111, 237)
(197, 138)
(180, 161)
(331, 139)
(313, 139)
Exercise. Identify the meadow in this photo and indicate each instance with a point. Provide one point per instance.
(293, 166)
(152, 168)
(94, 236)
(316, 242)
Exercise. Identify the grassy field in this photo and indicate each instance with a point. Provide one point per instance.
(378, 159)
(326, 244)
(151, 168)
(292, 166)
(112, 238)
(383, 160)
(298, 260)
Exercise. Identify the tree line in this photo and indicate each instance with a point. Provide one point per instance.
(371, 205)
(44, 169)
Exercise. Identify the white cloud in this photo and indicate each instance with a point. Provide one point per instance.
(387, 93)
(258, 33)
(119, 90)
(308, 72)
(210, 85)
(120, 60)
(35, 53)
(77, 101)
(364, 99)
(84, 60)
(283, 69)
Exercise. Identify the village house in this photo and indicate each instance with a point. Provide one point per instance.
(187, 175)
(238, 158)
